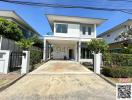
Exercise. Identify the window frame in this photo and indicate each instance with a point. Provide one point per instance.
(88, 30)
(62, 28)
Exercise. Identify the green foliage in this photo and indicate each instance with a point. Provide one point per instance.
(127, 49)
(25, 43)
(124, 35)
(37, 42)
(10, 30)
(98, 45)
(117, 72)
(35, 56)
(117, 59)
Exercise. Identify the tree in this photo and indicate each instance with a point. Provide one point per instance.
(25, 43)
(37, 41)
(124, 35)
(97, 45)
(10, 30)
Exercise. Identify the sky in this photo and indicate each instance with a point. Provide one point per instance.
(35, 16)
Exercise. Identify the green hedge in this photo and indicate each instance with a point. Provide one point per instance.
(117, 72)
(117, 59)
(35, 56)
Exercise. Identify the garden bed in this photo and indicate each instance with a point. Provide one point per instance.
(120, 80)
(118, 72)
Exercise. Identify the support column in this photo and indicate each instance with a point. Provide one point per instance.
(44, 52)
(76, 52)
(79, 51)
(49, 50)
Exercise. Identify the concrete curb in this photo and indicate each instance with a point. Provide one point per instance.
(3, 87)
(107, 80)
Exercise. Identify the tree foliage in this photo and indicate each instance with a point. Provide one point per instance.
(25, 43)
(97, 45)
(124, 35)
(37, 41)
(10, 30)
(127, 47)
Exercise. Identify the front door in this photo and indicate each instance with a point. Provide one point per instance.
(70, 53)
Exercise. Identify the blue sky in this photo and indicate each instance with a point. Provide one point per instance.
(35, 16)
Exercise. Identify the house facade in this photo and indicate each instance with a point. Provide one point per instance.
(28, 31)
(24, 26)
(110, 35)
(70, 37)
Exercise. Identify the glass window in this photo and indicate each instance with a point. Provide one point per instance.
(85, 53)
(61, 28)
(84, 30)
(89, 30)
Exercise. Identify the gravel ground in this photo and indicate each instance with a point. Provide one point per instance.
(6, 78)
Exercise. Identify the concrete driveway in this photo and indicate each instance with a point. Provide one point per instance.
(61, 67)
(44, 86)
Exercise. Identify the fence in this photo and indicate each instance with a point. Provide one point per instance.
(7, 44)
(15, 61)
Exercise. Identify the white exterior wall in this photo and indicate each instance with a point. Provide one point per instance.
(113, 35)
(59, 51)
(74, 30)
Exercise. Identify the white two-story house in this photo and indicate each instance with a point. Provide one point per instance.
(70, 37)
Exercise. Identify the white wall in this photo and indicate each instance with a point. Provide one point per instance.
(74, 30)
(59, 51)
(113, 35)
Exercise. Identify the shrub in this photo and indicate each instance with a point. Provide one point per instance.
(35, 57)
(117, 59)
(117, 72)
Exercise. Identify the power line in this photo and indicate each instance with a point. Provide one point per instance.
(121, 0)
(66, 6)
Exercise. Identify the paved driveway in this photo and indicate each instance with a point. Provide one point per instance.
(61, 67)
(35, 86)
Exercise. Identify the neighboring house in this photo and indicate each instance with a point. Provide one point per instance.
(14, 17)
(69, 38)
(7, 44)
(110, 35)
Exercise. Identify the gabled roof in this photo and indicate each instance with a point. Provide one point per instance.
(14, 16)
(75, 19)
(125, 23)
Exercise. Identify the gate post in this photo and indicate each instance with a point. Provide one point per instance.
(97, 63)
(4, 61)
(25, 62)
